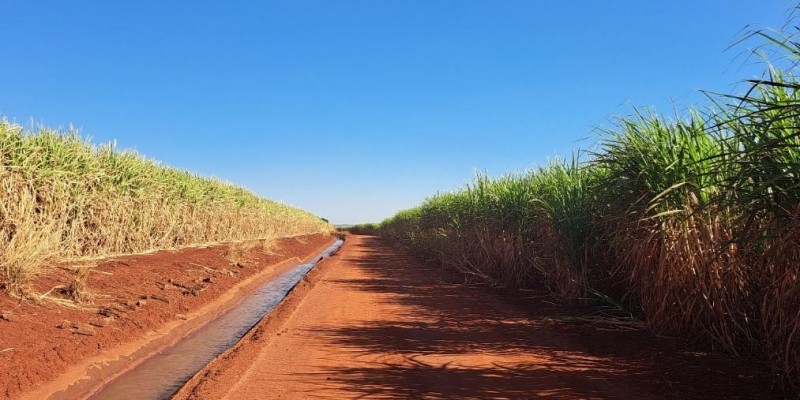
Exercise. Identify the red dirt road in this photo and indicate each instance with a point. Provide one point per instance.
(373, 323)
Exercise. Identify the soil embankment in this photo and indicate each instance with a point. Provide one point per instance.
(373, 322)
(133, 306)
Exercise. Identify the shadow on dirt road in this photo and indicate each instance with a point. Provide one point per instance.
(452, 341)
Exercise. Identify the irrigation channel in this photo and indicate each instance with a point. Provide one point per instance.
(160, 376)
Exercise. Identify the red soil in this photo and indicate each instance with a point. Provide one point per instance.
(137, 300)
(372, 322)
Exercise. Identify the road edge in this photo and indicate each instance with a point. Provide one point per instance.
(235, 361)
(90, 375)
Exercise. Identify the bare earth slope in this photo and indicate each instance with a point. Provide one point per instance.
(138, 308)
(374, 323)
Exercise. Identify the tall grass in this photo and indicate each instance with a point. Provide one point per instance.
(693, 222)
(764, 189)
(514, 231)
(63, 197)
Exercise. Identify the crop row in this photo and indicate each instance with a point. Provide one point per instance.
(692, 221)
(64, 198)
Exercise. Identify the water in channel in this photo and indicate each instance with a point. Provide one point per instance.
(160, 376)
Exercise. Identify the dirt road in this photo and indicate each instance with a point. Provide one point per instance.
(373, 323)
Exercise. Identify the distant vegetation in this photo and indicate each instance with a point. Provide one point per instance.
(693, 222)
(362, 229)
(63, 197)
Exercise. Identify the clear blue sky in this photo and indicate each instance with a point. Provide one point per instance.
(355, 109)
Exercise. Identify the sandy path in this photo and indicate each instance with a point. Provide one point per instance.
(373, 323)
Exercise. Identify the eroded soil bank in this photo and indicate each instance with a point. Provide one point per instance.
(135, 304)
(372, 322)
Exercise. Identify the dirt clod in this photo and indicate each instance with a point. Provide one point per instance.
(107, 312)
(115, 310)
(83, 329)
(160, 298)
(101, 322)
(8, 317)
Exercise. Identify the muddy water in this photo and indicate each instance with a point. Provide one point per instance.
(163, 374)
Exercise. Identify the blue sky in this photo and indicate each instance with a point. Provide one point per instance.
(355, 109)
